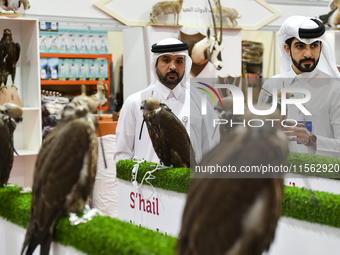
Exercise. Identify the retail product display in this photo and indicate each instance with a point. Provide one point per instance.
(168, 135)
(14, 5)
(10, 115)
(48, 26)
(166, 7)
(74, 69)
(68, 71)
(227, 13)
(9, 56)
(251, 213)
(75, 137)
(73, 41)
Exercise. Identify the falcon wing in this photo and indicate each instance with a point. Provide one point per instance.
(176, 138)
(6, 154)
(17, 48)
(59, 167)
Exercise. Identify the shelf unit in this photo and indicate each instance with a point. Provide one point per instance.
(80, 82)
(27, 136)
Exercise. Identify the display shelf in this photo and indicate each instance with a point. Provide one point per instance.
(27, 135)
(67, 83)
(55, 83)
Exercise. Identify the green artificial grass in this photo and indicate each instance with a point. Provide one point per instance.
(312, 206)
(314, 165)
(178, 179)
(102, 235)
(175, 179)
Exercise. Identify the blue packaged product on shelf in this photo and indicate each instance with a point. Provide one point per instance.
(53, 68)
(44, 72)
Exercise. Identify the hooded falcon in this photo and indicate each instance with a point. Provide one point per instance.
(232, 212)
(169, 137)
(10, 115)
(64, 173)
(10, 53)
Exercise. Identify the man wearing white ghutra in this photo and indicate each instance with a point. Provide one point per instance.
(308, 62)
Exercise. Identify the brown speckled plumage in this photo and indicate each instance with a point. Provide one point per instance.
(10, 115)
(169, 137)
(232, 216)
(64, 173)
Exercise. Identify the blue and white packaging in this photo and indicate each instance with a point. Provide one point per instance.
(91, 40)
(102, 69)
(72, 42)
(43, 42)
(73, 69)
(102, 42)
(63, 69)
(93, 69)
(54, 26)
(83, 69)
(43, 69)
(63, 40)
(82, 42)
(53, 42)
(53, 68)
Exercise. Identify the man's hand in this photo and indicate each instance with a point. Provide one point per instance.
(300, 132)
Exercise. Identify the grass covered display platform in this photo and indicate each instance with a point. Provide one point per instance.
(178, 179)
(104, 235)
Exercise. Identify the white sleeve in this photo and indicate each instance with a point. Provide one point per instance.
(125, 132)
(331, 146)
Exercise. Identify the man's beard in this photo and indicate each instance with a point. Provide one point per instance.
(166, 80)
(308, 68)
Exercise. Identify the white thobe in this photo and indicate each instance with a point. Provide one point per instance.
(129, 145)
(324, 106)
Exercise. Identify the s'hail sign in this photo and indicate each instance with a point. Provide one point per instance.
(252, 14)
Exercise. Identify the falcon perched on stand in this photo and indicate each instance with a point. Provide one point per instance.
(64, 173)
(13, 5)
(10, 115)
(10, 52)
(228, 214)
(169, 137)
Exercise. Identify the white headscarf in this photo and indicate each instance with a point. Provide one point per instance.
(290, 28)
(188, 61)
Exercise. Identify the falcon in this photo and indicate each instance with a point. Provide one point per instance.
(10, 116)
(227, 214)
(10, 52)
(168, 135)
(64, 174)
(14, 5)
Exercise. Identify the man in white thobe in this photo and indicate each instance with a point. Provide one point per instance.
(308, 62)
(171, 66)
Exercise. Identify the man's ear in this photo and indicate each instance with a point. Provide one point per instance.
(287, 49)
